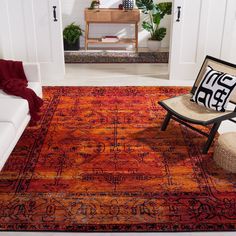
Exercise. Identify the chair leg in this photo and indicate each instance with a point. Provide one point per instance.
(211, 137)
(166, 121)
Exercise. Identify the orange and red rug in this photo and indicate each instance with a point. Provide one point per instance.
(97, 161)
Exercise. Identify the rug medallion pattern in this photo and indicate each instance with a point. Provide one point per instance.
(97, 161)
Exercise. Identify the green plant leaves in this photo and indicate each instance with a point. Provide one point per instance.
(157, 18)
(147, 26)
(165, 8)
(156, 13)
(159, 34)
(145, 5)
(72, 32)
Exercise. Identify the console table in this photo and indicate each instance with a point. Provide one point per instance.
(111, 16)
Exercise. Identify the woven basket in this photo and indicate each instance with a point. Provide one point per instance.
(225, 152)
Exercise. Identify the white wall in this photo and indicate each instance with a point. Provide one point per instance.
(73, 11)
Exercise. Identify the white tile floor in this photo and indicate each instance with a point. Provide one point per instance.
(116, 75)
(120, 75)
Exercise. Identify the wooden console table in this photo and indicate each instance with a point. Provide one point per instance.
(111, 16)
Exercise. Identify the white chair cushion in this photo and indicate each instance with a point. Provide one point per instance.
(191, 110)
(36, 86)
(13, 111)
(7, 135)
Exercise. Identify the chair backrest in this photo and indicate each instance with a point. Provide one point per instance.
(218, 65)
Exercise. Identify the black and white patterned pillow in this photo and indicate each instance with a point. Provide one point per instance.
(214, 90)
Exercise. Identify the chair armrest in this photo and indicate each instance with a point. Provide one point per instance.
(32, 72)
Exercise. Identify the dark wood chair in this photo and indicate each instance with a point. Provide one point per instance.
(186, 112)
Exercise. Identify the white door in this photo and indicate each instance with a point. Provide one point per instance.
(31, 31)
(228, 52)
(198, 32)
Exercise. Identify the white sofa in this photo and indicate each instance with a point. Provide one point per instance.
(14, 113)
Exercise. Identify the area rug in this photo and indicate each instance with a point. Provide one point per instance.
(116, 57)
(97, 161)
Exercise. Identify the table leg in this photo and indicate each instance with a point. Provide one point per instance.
(136, 37)
(86, 35)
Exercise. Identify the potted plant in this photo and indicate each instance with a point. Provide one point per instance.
(94, 4)
(71, 36)
(155, 12)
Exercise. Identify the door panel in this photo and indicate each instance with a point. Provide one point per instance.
(198, 33)
(29, 33)
(5, 39)
(215, 30)
(30, 37)
(17, 23)
(42, 30)
(191, 10)
(228, 52)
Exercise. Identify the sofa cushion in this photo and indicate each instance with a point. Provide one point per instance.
(13, 111)
(36, 86)
(7, 135)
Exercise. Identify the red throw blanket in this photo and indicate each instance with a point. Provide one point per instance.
(14, 82)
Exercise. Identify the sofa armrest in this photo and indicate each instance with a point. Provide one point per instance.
(32, 72)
